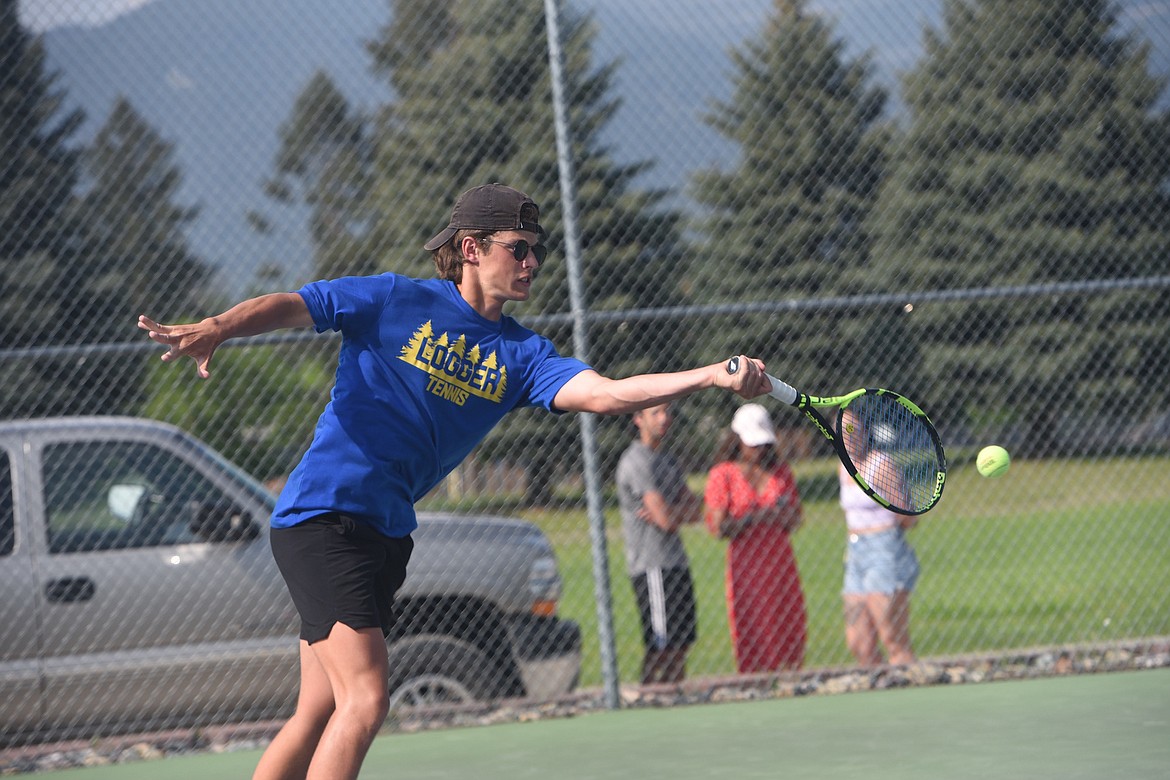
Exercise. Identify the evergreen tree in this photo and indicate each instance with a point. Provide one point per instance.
(38, 171)
(323, 165)
(473, 105)
(89, 237)
(786, 221)
(131, 249)
(1036, 154)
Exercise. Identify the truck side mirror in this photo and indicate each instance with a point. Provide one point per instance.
(220, 521)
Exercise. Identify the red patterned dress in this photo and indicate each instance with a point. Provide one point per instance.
(765, 603)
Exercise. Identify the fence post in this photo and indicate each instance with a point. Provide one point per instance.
(567, 175)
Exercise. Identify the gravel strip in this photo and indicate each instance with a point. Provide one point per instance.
(1016, 665)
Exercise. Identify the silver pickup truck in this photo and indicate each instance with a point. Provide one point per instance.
(138, 591)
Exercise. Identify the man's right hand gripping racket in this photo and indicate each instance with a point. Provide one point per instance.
(888, 444)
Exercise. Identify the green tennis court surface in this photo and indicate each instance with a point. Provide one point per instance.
(1113, 725)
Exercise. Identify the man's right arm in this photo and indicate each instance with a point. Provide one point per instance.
(589, 391)
(252, 317)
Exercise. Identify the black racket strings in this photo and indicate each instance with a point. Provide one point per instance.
(892, 449)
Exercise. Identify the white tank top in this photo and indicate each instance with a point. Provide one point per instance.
(862, 513)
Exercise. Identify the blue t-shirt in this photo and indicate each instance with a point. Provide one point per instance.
(421, 379)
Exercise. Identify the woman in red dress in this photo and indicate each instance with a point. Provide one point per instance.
(752, 500)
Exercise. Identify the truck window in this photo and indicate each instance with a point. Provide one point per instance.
(119, 495)
(7, 508)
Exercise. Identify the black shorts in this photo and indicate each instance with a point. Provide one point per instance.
(340, 570)
(666, 601)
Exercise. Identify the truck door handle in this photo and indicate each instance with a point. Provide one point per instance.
(69, 589)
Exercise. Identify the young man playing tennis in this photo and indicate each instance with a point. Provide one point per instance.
(427, 368)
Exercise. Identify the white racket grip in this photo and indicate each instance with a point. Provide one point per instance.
(782, 391)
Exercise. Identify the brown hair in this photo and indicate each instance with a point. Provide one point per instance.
(449, 257)
(728, 450)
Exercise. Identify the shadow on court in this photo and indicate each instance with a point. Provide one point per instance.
(1089, 726)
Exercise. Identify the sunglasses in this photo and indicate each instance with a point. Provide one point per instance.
(521, 248)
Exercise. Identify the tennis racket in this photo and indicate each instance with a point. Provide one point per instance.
(888, 445)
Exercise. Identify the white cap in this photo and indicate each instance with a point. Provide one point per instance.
(753, 426)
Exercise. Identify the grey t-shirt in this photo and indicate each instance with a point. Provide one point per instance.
(639, 471)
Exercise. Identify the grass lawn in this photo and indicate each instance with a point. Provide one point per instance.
(1056, 551)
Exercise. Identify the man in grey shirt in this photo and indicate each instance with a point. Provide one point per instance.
(655, 502)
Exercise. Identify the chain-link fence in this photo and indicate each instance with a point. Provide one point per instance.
(965, 201)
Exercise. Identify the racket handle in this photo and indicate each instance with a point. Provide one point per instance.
(781, 391)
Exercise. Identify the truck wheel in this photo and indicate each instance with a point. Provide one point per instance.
(429, 670)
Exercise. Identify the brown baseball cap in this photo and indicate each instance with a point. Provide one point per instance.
(490, 207)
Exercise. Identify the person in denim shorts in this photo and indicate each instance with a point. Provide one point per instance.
(881, 570)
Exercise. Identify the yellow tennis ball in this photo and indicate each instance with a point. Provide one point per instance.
(993, 461)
